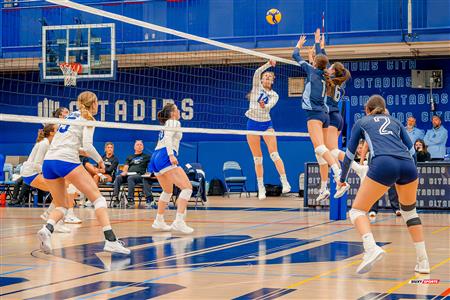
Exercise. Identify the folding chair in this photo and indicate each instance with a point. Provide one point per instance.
(234, 178)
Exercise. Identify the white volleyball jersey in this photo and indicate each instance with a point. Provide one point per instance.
(258, 94)
(33, 165)
(170, 139)
(69, 139)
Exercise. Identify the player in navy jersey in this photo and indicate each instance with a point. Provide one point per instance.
(164, 164)
(391, 163)
(313, 102)
(262, 99)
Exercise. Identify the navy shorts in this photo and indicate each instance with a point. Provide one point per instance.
(336, 120)
(54, 169)
(389, 170)
(259, 126)
(160, 162)
(29, 179)
(320, 116)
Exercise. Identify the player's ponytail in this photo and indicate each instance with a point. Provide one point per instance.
(45, 132)
(341, 74)
(376, 105)
(165, 113)
(85, 101)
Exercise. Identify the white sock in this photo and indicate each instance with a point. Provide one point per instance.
(283, 178)
(106, 228)
(51, 222)
(260, 181)
(323, 185)
(421, 252)
(180, 217)
(159, 218)
(70, 212)
(368, 241)
(336, 169)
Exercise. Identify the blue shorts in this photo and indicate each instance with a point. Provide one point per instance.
(318, 115)
(336, 120)
(389, 170)
(29, 179)
(160, 162)
(259, 126)
(54, 169)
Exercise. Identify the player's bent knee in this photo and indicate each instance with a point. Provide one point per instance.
(355, 213)
(321, 150)
(258, 160)
(275, 156)
(100, 203)
(165, 197)
(409, 214)
(185, 194)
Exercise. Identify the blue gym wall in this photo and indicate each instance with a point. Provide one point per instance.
(240, 22)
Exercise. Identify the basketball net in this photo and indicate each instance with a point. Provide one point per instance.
(70, 72)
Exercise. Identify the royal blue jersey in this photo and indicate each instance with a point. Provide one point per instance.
(384, 134)
(315, 87)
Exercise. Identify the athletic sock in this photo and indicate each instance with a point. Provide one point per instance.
(368, 241)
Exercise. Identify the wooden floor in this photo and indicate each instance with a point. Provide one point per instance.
(241, 249)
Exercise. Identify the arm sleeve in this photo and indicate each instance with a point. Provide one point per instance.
(272, 102)
(88, 138)
(427, 138)
(406, 140)
(351, 150)
(303, 64)
(39, 158)
(257, 75)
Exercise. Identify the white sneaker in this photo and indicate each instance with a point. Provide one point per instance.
(44, 237)
(286, 187)
(340, 191)
(44, 216)
(87, 203)
(372, 214)
(61, 228)
(369, 259)
(261, 192)
(323, 195)
(72, 219)
(180, 225)
(422, 266)
(116, 247)
(161, 225)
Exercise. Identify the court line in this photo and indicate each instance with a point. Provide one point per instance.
(16, 271)
(439, 230)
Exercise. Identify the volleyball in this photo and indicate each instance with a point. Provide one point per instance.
(273, 16)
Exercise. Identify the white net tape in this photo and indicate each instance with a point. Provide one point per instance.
(70, 75)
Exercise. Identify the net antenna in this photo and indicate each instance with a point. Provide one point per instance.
(70, 72)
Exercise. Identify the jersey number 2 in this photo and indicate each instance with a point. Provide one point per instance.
(383, 127)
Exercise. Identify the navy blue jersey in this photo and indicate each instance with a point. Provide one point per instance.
(315, 87)
(384, 134)
(333, 101)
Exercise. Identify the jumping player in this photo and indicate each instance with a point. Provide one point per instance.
(391, 163)
(262, 99)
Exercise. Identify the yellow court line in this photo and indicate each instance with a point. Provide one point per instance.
(391, 290)
(440, 229)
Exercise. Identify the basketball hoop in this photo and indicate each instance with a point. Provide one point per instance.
(70, 72)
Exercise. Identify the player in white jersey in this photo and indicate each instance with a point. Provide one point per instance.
(262, 99)
(62, 162)
(164, 165)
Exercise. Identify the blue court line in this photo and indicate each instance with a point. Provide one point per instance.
(16, 271)
(101, 272)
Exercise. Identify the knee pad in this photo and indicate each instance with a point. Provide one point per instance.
(335, 153)
(275, 156)
(409, 214)
(165, 197)
(258, 160)
(100, 203)
(71, 189)
(321, 161)
(186, 194)
(62, 209)
(354, 214)
(321, 150)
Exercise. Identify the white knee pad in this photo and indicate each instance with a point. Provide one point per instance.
(100, 203)
(165, 197)
(321, 150)
(185, 194)
(335, 153)
(354, 214)
(275, 156)
(62, 209)
(321, 161)
(71, 189)
(409, 214)
(258, 160)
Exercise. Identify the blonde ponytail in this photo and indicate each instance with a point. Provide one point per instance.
(85, 101)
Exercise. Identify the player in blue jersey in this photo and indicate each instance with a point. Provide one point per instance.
(164, 164)
(391, 163)
(62, 163)
(313, 102)
(262, 99)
